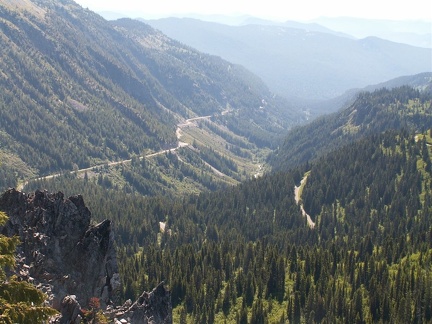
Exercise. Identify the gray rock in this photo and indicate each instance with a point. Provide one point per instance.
(61, 247)
(150, 308)
(71, 260)
(70, 310)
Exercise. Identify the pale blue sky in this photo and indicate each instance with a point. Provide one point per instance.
(273, 9)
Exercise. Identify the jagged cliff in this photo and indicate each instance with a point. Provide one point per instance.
(71, 259)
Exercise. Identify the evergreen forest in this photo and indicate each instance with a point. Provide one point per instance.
(78, 91)
(213, 184)
(246, 254)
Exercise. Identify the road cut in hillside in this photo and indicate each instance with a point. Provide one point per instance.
(297, 191)
(187, 123)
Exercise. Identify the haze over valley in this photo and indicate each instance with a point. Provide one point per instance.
(234, 166)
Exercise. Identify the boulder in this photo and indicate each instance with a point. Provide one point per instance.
(150, 308)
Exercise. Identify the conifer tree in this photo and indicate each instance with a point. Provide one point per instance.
(20, 302)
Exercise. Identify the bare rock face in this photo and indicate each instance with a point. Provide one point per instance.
(150, 308)
(73, 261)
(70, 311)
(61, 252)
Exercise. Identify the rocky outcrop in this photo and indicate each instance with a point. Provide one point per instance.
(70, 311)
(150, 308)
(61, 251)
(72, 260)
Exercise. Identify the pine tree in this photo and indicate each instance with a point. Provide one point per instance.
(20, 302)
(243, 314)
(250, 289)
(259, 315)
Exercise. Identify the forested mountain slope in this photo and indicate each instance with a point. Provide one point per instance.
(77, 90)
(371, 113)
(246, 254)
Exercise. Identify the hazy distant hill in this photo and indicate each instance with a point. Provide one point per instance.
(298, 62)
(77, 90)
(412, 32)
(421, 81)
(312, 27)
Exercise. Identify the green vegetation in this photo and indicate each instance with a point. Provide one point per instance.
(371, 113)
(20, 301)
(247, 252)
(352, 267)
(79, 91)
(205, 161)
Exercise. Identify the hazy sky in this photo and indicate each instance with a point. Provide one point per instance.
(275, 9)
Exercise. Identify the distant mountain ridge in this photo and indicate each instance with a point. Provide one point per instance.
(413, 32)
(300, 63)
(421, 81)
(77, 90)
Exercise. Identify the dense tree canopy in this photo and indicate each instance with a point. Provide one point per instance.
(246, 253)
(371, 113)
(76, 94)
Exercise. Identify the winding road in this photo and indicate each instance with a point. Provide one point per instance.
(297, 198)
(187, 123)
